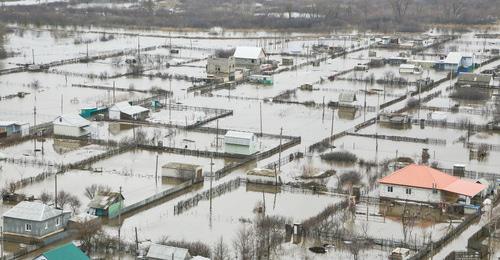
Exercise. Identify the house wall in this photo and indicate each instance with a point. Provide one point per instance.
(220, 65)
(70, 131)
(38, 229)
(177, 173)
(252, 64)
(417, 194)
(239, 149)
(114, 114)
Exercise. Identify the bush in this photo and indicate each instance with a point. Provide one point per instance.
(469, 94)
(412, 103)
(340, 156)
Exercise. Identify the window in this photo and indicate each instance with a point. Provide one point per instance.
(28, 227)
(435, 191)
(46, 225)
(390, 189)
(408, 191)
(58, 221)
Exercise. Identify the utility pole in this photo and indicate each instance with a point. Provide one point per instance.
(323, 116)
(62, 108)
(156, 171)
(136, 242)
(33, 55)
(1, 232)
(217, 137)
(364, 106)
(87, 52)
(260, 109)
(119, 220)
(55, 190)
(331, 128)
(211, 180)
(279, 155)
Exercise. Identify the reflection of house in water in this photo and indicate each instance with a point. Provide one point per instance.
(349, 113)
(116, 128)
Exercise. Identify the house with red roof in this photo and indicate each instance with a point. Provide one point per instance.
(421, 183)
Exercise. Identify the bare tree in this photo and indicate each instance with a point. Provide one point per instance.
(63, 198)
(399, 8)
(46, 197)
(408, 221)
(94, 189)
(74, 203)
(88, 231)
(244, 244)
(220, 251)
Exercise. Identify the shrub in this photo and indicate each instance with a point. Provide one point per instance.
(469, 94)
(340, 156)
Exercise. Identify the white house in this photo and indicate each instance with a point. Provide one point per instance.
(240, 142)
(222, 62)
(262, 176)
(457, 62)
(72, 126)
(125, 111)
(424, 184)
(182, 171)
(249, 57)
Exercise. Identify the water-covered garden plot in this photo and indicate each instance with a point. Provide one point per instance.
(55, 151)
(134, 187)
(225, 218)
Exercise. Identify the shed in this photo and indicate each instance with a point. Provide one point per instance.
(72, 126)
(222, 62)
(474, 80)
(162, 252)
(237, 142)
(64, 252)
(184, 171)
(262, 176)
(106, 205)
(14, 128)
(125, 111)
(34, 220)
(347, 98)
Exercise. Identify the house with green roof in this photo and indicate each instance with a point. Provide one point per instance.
(64, 252)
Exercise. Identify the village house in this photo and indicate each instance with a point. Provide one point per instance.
(183, 171)
(474, 80)
(66, 251)
(33, 221)
(162, 252)
(106, 205)
(347, 99)
(71, 126)
(420, 183)
(222, 62)
(249, 57)
(457, 62)
(243, 143)
(125, 111)
(8, 128)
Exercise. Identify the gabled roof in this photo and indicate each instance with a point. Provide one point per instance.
(157, 251)
(128, 109)
(455, 57)
(9, 123)
(244, 52)
(421, 176)
(71, 120)
(65, 252)
(35, 211)
(239, 135)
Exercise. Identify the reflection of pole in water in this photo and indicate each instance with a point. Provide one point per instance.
(156, 171)
(279, 155)
(211, 181)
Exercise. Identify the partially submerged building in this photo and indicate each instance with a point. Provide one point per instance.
(33, 221)
(125, 111)
(222, 62)
(262, 176)
(249, 57)
(237, 142)
(106, 205)
(420, 183)
(9, 128)
(66, 251)
(347, 99)
(457, 62)
(183, 171)
(474, 80)
(163, 252)
(71, 126)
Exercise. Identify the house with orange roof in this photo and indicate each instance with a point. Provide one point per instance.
(420, 183)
